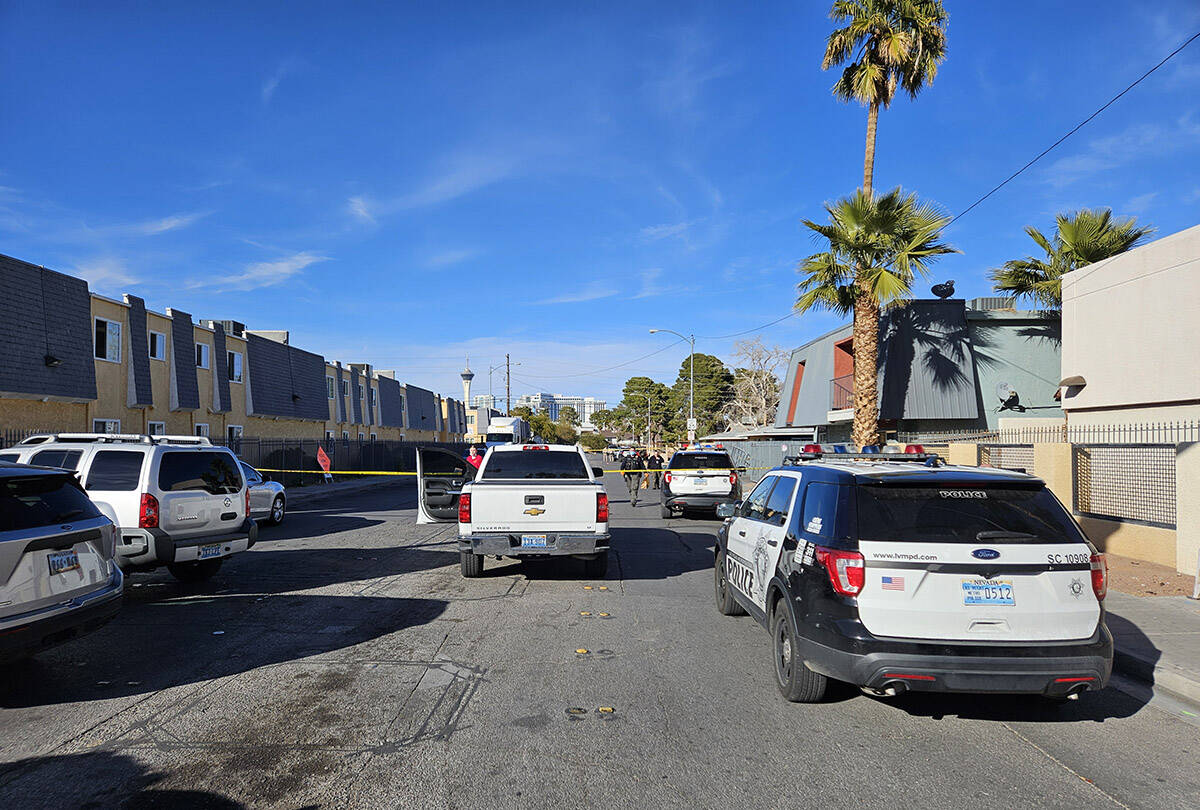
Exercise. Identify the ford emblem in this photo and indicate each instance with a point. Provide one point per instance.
(985, 554)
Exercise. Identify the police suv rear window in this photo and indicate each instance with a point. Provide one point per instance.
(700, 461)
(963, 515)
(522, 464)
(44, 500)
(211, 472)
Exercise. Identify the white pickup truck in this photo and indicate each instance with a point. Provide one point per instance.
(525, 500)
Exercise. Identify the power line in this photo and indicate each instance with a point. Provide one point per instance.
(610, 368)
(748, 331)
(1077, 127)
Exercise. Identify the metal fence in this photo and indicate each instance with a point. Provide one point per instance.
(1141, 433)
(1130, 482)
(346, 455)
(10, 436)
(758, 457)
(1017, 457)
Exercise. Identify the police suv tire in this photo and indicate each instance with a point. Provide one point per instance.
(597, 567)
(193, 572)
(665, 511)
(726, 604)
(470, 564)
(796, 682)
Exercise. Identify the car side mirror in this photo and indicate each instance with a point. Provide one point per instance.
(728, 510)
(597, 473)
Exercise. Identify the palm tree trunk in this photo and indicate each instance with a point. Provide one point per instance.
(866, 362)
(869, 158)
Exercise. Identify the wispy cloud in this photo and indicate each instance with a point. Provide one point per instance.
(653, 233)
(463, 174)
(271, 84)
(1139, 204)
(1133, 144)
(156, 226)
(449, 257)
(262, 274)
(680, 82)
(105, 274)
(592, 292)
(359, 208)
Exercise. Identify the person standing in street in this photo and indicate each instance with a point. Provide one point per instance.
(631, 468)
(656, 464)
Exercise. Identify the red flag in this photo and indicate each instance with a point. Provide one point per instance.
(323, 459)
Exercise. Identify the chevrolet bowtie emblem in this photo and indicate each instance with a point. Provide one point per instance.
(535, 511)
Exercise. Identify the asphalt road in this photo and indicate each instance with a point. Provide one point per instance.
(345, 663)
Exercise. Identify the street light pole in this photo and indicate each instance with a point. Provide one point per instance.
(692, 382)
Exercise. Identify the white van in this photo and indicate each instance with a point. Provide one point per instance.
(178, 501)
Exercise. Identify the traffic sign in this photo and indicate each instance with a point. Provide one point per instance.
(692, 423)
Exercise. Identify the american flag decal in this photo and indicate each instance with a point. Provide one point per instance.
(893, 583)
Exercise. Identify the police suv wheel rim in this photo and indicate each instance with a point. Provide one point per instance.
(783, 655)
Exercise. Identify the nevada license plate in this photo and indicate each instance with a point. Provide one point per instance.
(700, 482)
(533, 541)
(62, 561)
(208, 552)
(988, 592)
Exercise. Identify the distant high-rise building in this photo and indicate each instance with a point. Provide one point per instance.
(484, 401)
(552, 405)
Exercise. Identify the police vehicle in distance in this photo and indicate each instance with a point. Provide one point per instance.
(702, 477)
(897, 575)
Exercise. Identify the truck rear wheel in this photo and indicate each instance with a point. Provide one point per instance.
(596, 568)
(470, 564)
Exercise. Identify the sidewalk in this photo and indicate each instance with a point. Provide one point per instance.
(1157, 640)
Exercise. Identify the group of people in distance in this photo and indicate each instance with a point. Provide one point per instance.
(634, 466)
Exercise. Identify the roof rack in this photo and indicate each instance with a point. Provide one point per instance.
(116, 438)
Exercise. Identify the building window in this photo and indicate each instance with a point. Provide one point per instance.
(372, 394)
(234, 433)
(106, 426)
(357, 391)
(361, 436)
(158, 346)
(156, 428)
(329, 435)
(202, 429)
(345, 388)
(346, 434)
(374, 436)
(108, 340)
(330, 387)
(234, 365)
(201, 355)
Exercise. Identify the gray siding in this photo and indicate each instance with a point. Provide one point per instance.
(355, 397)
(141, 392)
(391, 403)
(285, 381)
(221, 369)
(925, 366)
(185, 391)
(341, 399)
(45, 313)
(812, 403)
(1023, 349)
(421, 409)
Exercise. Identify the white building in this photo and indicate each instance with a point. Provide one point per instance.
(552, 405)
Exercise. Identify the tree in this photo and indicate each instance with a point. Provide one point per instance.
(604, 420)
(756, 382)
(877, 247)
(1080, 238)
(894, 43)
(714, 390)
(593, 441)
(661, 406)
(568, 415)
(543, 426)
(523, 411)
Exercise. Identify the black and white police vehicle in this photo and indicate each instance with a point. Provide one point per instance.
(897, 575)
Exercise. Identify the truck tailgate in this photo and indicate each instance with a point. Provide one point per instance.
(569, 506)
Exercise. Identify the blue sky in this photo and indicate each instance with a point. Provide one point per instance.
(404, 184)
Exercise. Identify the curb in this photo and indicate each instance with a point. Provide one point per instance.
(1160, 676)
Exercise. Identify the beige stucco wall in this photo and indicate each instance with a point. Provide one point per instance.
(1187, 507)
(1131, 325)
(1149, 543)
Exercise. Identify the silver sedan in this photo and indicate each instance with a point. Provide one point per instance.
(268, 499)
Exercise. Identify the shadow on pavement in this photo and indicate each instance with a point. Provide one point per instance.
(169, 642)
(1137, 655)
(1091, 707)
(98, 779)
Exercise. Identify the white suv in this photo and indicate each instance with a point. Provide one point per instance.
(179, 501)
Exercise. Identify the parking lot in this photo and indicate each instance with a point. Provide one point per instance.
(344, 662)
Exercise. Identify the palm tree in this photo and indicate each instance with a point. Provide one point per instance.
(894, 43)
(878, 246)
(1080, 238)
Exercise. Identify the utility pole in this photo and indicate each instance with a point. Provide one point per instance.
(507, 385)
(692, 379)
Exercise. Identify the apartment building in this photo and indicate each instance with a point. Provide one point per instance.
(78, 361)
(552, 405)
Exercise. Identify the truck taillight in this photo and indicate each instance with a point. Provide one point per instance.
(845, 568)
(464, 508)
(1099, 576)
(148, 512)
(601, 508)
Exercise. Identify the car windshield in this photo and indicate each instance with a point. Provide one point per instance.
(963, 515)
(535, 464)
(45, 500)
(211, 472)
(499, 437)
(701, 461)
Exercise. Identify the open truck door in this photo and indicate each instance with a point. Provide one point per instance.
(441, 475)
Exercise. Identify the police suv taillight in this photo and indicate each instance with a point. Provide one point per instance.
(148, 512)
(1099, 576)
(464, 508)
(667, 477)
(601, 508)
(845, 568)
(733, 479)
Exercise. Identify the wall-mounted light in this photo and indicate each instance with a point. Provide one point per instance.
(52, 361)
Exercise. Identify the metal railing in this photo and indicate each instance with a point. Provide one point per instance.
(1017, 457)
(1128, 482)
(841, 392)
(346, 455)
(1139, 433)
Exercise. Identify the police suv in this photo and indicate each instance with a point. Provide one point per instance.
(699, 478)
(898, 575)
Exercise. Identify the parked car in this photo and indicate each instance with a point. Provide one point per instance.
(699, 480)
(899, 576)
(58, 576)
(178, 501)
(523, 501)
(268, 499)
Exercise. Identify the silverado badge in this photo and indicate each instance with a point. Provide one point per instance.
(535, 511)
